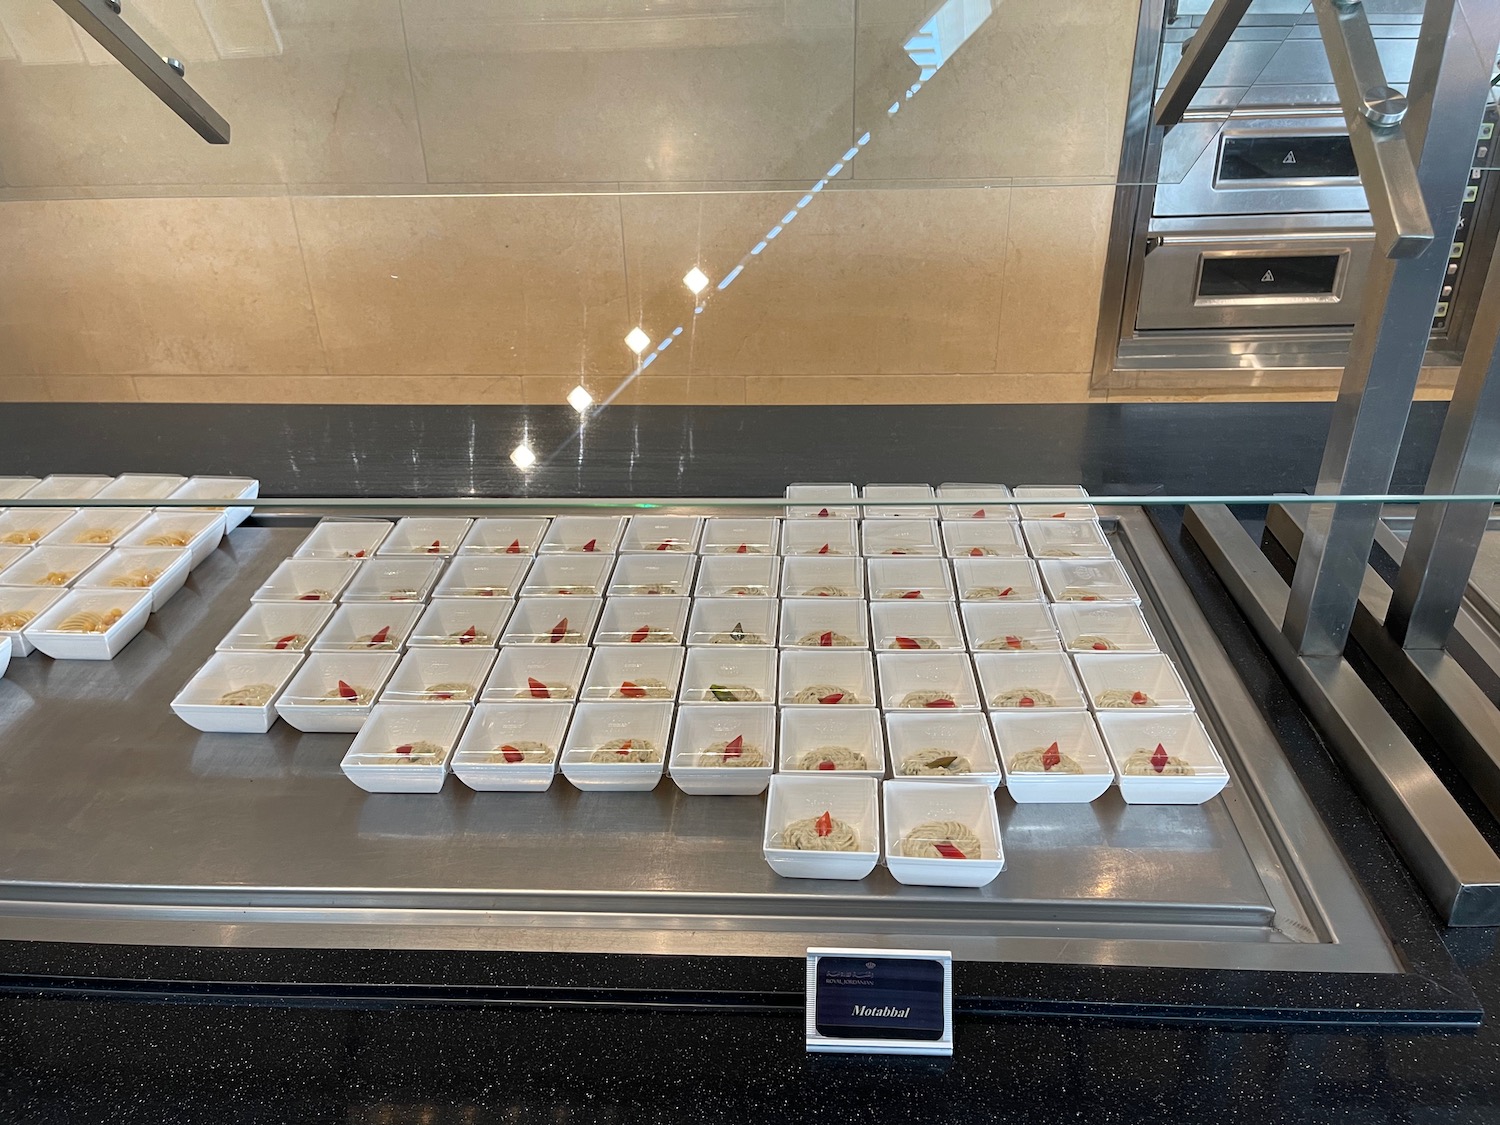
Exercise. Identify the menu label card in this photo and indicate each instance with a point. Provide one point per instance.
(880, 1001)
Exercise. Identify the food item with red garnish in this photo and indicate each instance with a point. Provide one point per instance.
(651, 634)
(539, 689)
(591, 545)
(448, 691)
(1093, 642)
(913, 642)
(826, 639)
(1081, 594)
(1008, 643)
(646, 687)
(826, 549)
(828, 592)
(349, 693)
(1123, 697)
(734, 752)
(928, 697)
(902, 595)
(314, 596)
(561, 634)
(435, 547)
(733, 693)
(737, 636)
(935, 762)
(830, 759)
(469, 636)
(1043, 759)
(623, 751)
(827, 694)
(251, 695)
(822, 833)
(942, 839)
(419, 753)
(1157, 762)
(520, 752)
(514, 548)
(989, 593)
(381, 638)
(292, 641)
(980, 552)
(1024, 697)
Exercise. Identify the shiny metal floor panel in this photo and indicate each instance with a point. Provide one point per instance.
(119, 822)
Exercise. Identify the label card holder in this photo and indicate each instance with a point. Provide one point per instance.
(889, 1002)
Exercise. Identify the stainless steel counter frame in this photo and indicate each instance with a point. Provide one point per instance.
(120, 824)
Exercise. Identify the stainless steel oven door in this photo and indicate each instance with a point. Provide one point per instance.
(1212, 276)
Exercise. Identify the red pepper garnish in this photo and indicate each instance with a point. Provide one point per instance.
(632, 691)
(947, 850)
(559, 631)
(735, 747)
(906, 642)
(310, 598)
(640, 634)
(1089, 598)
(359, 554)
(826, 640)
(487, 592)
(976, 552)
(1013, 641)
(511, 754)
(404, 748)
(1026, 701)
(823, 550)
(1007, 592)
(822, 512)
(979, 514)
(742, 549)
(440, 695)
(514, 548)
(1059, 515)
(825, 764)
(898, 552)
(1099, 646)
(347, 692)
(1051, 757)
(823, 826)
(468, 635)
(624, 747)
(437, 546)
(378, 639)
(836, 697)
(1159, 759)
(911, 594)
(591, 545)
(286, 640)
(1139, 699)
(664, 545)
(538, 689)
(941, 703)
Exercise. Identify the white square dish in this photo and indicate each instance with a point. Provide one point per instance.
(1138, 740)
(429, 676)
(926, 814)
(5, 652)
(723, 750)
(334, 691)
(633, 673)
(997, 580)
(661, 533)
(721, 674)
(483, 576)
(141, 486)
(909, 580)
(536, 674)
(733, 621)
(825, 623)
(512, 747)
(343, 539)
(911, 626)
(21, 605)
(10, 554)
(820, 537)
(404, 749)
(1102, 627)
(277, 627)
(1127, 681)
(898, 502)
(1054, 502)
(897, 537)
(1066, 539)
(739, 576)
(983, 538)
(162, 570)
(1025, 740)
(391, 579)
(583, 535)
(514, 535)
(461, 623)
(822, 501)
(438, 536)
(26, 527)
(95, 527)
(53, 567)
(736, 535)
(827, 677)
(1009, 627)
(67, 486)
(261, 675)
(651, 575)
(932, 747)
(552, 621)
(568, 576)
(974, 502)
(199, 532)
(222, 488)
(927, 681)
(619, 733)
(843, 740)
(822, 578)
(307, 580)
(643, 620)
(12, 488)
(367, 627)
(90, 624)
(1087, 580)
(1007, 680)
(798, 802)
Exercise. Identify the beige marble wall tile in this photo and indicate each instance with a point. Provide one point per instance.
(153, 286)
(649, 389)
(91, 388)
(817, 390)
(24, 388)
(331, 102)
(423, 390)
(467, 285)
(1054, 269)
(860, 282)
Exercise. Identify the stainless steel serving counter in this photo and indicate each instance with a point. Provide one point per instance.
(120, 823)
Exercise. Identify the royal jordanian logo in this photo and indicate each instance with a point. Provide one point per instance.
(889, 1013)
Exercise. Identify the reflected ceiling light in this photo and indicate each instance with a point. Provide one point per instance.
(522, 457)
(637, 341)
(579, 399)
(696, 280)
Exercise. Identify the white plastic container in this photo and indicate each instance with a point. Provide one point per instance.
(514, 535)
(385, 579)
(718, 674)
(822, 622)
(739, 576)
(307, 580)
(1066, 539)
(1075, 735)
(26, 527)
(95, 527)
(5, 652)
(47, 635)
(374, 762)
(905, 674)
(699, 728)
(483, 576)
(197, 704)
(733, 621)
(664, 534)
(1027, 672)
(983, 538)
(853, 800)
(822, 501)
(461, 623)
(807, 733)
(964, 734)
(644, 620)
(127, 567)
(583, 535)
(368, 627)
(199, 532)
(1054, 502)
(438, 536)
(595, 725)
(909, 626)
(910, 580)
(1103, 627)
(974, 502)
(631, 673)
(845, 672)
(141, 486)
(344, 539)
(24, 600)
(222, 488)
(740, 535)
(899, 511)
(568, 576)
(1089, 580)
(428, 676)
(66, 486)
(53, 567)
(12, 488)
(910, 804)
(649, 575)
(1148, 677)
(537, 674)
(1009, 627)
(489, 758)
(1180, 735)
(552, 621)
(896, 537)
(10, 554)
(822, 578)
(293, 626)
(312, 700)
(820, 537)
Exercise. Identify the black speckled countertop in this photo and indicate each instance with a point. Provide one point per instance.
(123, 1035)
